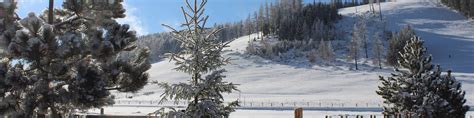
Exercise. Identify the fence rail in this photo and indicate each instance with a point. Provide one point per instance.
(320, 106)
(250, 105)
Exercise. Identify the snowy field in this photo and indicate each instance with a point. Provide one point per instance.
(243, 113)
(445, 32)
(250, 113)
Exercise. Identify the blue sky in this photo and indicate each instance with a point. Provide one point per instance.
(146, 16)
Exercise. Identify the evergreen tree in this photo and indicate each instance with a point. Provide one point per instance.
(71, 64)
(464, 7)
(396, 44)
(201, 55)
(471, 8)
(8, 27)
(420, 90)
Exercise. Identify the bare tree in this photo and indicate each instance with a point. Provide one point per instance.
(378, 49)
(354, 46)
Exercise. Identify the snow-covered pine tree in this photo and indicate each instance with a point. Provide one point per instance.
(354, 46)
(418, 89)
(201, 55)
(378, 49)
(8, 27)
(441, 96)
(396, 44)
(71, 64)
(398, 90)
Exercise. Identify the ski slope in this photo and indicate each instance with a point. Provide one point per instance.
(448, 35)
(449, 38)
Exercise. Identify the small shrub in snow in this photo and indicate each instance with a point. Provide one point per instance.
(312, 56)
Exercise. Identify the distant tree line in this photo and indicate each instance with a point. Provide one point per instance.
(288, 20)
(159, 44)
(351, 3)
(466, 7)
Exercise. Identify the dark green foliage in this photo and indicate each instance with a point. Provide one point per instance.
(71, 64)
(418, 89)
(159, 44)
(294, 23)
(466, 7)
(396, 44)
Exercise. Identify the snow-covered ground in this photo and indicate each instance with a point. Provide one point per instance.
(446, 32)
(261, 80)
(142, 111)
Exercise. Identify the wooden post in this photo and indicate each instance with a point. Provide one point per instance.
(298, 112)
(51, 12)
(101, 111)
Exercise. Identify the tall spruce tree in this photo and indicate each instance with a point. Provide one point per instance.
(73, 63)
(418, 89)
(201, 55)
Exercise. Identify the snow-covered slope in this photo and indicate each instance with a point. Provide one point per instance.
(449, 36)
(446, 33)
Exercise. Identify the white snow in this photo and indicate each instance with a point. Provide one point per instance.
(446, 32)
(143, 111)
(261, 80)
